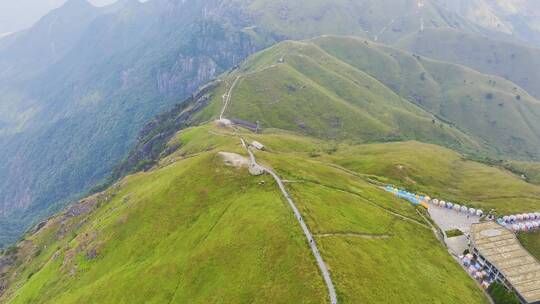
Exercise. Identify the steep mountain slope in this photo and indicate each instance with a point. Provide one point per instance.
(347, 88)
(48, 40)
(75, 89)
(64, 128)
(492, 110)
(383, 20)
(187, 225)
(321, 96)
(514, 62)
(191, 228)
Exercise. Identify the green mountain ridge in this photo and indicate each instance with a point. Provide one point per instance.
(180, 224)
(76, 88)
(507, 60)
(348, 88)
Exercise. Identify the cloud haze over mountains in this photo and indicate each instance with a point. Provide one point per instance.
(16, 15)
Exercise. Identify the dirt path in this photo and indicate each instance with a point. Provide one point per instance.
(355, 235)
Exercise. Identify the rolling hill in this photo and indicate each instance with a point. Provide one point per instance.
(348, 88)
(179, 223)
(518, 18)
(490, 109)
(76, 88)
(510, 61)
(188, 224)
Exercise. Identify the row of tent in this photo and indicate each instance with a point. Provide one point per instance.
(525, 217)
(457, 207)
(475, 270)
(416, 199)
(525, 226)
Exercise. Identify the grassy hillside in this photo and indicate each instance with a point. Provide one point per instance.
(316, 94)
(531, 241)
(441, 172)
(511, 61)
(382, 20)
(529, 170)
(194, 229)
(347, 88)
(490, 109)
(67, 120)
(515, 17)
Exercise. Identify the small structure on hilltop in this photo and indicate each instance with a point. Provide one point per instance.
(223, 123)
(257, 145)
(255, 127)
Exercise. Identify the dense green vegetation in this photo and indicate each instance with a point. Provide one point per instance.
(185, 220)
(319, 95)
(531, 241)
(501, 295)
(441, 173)
(77, 108)
(453, 233)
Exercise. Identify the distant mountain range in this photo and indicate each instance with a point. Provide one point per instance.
(341, 117)
(76, 88)
(115, 182)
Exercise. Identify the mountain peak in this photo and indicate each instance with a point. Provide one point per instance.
(70, 4)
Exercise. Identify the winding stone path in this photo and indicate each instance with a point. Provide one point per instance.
(227, 97)
(320, 262)
(255, 167)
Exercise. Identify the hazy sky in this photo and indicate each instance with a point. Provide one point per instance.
(16, 15)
